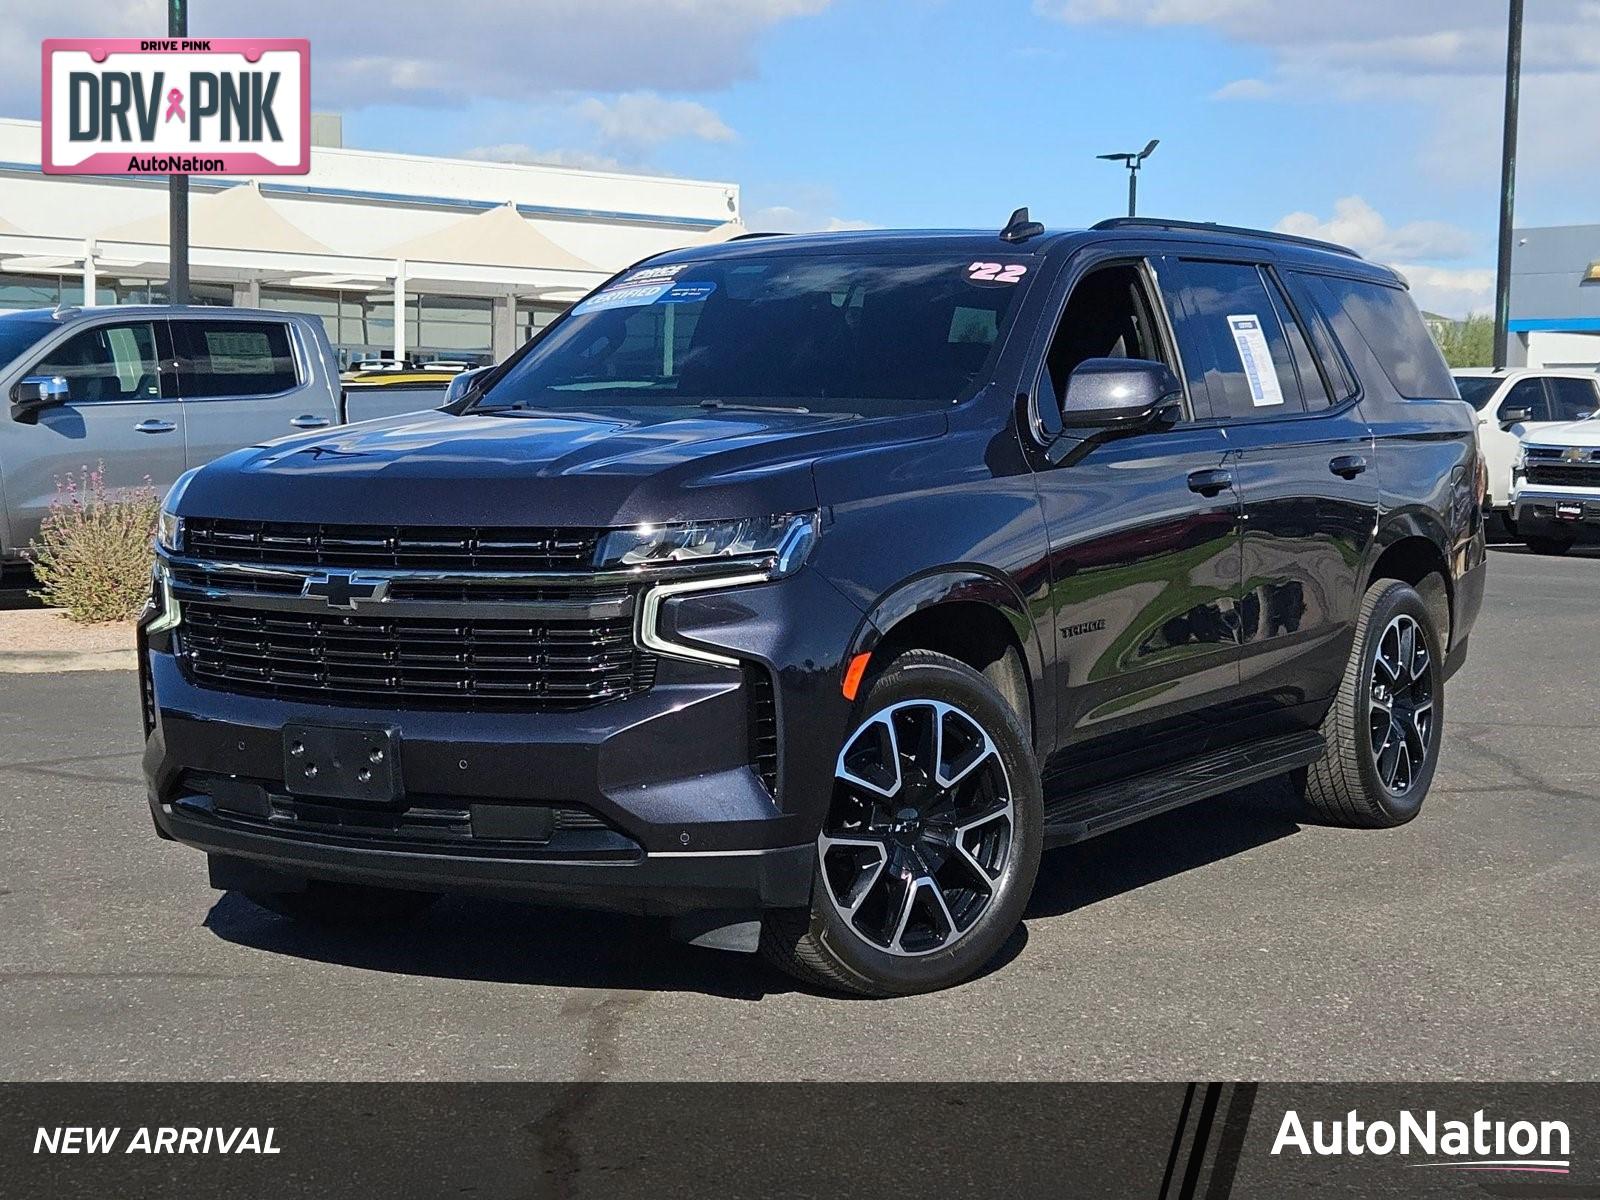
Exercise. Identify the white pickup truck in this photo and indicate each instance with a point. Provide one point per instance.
(1517, 402)
(1555, 486)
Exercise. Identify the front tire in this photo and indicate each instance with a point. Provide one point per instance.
(931, 843)
(331, 904)
(1384, 728)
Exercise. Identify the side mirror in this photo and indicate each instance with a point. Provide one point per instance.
(1119, 393)
(459, 384)
(36, 392)
(1514, 416)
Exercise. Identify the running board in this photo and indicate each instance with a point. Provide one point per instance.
(1074, 818)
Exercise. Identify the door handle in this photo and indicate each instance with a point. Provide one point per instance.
(1210, 483)
(1347, 466)
(154, 426)
(309, 421)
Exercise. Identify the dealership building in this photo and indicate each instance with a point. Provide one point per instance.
(1555, 297)
(473, 255)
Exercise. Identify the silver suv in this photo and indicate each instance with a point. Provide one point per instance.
(150, 392)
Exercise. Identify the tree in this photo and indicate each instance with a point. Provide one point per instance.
(1468, 343)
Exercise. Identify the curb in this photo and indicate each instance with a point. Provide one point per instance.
(41, 662)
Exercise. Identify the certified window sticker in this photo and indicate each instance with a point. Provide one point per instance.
(1259, 370)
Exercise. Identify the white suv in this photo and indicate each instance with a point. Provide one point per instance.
(1555, 486)
(1522, 401)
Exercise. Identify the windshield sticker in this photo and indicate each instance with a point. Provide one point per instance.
(688, 292)
(993, 274)
(655, 274)
(628, 295)
(1257, 359)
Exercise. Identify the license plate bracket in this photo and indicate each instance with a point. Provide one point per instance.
(342, 762)
(1572, 511)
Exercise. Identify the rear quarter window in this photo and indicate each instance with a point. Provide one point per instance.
(1388, 321)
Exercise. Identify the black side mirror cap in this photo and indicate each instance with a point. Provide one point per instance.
(37, 392)
(1515, 416)
(1120, 394)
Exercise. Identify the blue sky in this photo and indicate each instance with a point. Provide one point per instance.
(1366, 120)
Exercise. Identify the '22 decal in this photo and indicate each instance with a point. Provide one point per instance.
(993, 272)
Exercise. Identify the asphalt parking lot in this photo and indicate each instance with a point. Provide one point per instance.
(1229, 940)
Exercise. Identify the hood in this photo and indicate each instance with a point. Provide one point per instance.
(616, 468)
(1573, 433)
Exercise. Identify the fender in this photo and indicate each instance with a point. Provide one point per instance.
(970, 583)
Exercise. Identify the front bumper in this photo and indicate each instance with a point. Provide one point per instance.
(1539, 514)
(658, 803)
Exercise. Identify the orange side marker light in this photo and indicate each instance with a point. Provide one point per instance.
(853, 674)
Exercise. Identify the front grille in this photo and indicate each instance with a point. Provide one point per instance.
(1560, 475)
(420, 548)
(543, 665)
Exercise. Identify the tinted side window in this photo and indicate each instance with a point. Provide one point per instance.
(1528, 394)
(233, 358)
(112, 362)
(1312, 389)
(1389, 323)
(1525, 394)
(1571, 399)
(1231, 326)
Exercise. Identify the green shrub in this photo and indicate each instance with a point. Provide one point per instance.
(94, 550)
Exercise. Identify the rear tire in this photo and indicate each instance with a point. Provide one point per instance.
(931, 842)
(1549, 545)
(324, 903)
(1384, 728)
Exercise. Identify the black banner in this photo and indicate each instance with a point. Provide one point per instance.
(1163, 1141)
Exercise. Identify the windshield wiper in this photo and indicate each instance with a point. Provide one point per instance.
(741, 407)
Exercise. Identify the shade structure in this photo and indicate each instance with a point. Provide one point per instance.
(496, 237)
(237, 218)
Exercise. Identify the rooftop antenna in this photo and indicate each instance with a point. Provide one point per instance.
(1019, 228)
(1133, 161)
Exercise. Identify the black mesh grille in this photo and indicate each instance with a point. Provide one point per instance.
(415, 662)
(763, 727)
(1582, 475)
(422, 548)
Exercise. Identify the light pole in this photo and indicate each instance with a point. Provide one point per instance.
(1133, 162)
(177, 190)
(1508, 184)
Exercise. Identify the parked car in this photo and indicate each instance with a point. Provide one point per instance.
(381, 391)
(1555, 494)
(152, 391)
(804, 589)
(1519, 400)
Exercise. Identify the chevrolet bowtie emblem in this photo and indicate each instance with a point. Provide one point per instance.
(344, 590)
(1572, 454)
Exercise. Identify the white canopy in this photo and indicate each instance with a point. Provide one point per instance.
(497, 237)
(237, 218)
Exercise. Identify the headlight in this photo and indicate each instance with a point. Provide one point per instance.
(786, 540)
(169, 525)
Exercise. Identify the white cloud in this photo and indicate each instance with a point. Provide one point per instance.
(1446, 54)
(415, 51)
(1356, 224)
(1243, 89)
(1450, 291)
(781, 218)
(521, 152)
(644, 120)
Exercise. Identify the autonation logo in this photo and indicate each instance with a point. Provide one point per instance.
(1478, 1144)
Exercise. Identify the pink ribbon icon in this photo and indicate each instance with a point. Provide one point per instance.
(174, 106)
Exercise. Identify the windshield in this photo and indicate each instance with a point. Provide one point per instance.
(18, 332)
(814, 333)
(1476, 389)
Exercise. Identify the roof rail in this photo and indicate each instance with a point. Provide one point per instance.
(1212, 227)
(757, 233)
